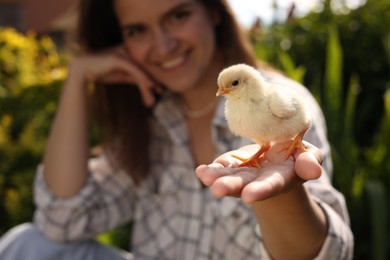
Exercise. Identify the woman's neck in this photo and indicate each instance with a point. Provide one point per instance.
(203, 94)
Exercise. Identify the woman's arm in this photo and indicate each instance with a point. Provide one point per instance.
(66, 153)
(77, 198)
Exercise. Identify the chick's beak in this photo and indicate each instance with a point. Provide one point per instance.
(222, 91)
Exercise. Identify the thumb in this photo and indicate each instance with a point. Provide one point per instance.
(308, 164)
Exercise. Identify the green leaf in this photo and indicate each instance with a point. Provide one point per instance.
(378, 205)
(350, 108)
(333, 72)
(294, 72)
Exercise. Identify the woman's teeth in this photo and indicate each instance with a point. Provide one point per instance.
(172, 63)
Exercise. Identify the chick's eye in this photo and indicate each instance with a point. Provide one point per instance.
(235, 83)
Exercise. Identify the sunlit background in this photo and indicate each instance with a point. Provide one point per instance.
(338, 49)
(274, 10)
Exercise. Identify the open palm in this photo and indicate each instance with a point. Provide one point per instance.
(274, 177)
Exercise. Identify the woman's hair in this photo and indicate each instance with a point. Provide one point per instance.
(124, 119)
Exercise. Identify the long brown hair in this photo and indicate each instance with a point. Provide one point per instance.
(124, 119)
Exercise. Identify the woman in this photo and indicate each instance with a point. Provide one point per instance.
(155, 65)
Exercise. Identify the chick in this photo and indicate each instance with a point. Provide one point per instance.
(263, 112)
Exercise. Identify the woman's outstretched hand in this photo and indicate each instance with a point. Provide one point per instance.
(274, 177)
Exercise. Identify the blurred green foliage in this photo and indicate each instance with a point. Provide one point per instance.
(362, 33)
(341, 55)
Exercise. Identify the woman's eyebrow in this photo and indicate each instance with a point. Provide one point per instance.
(167, 13)
(131, 26)
(178, 7)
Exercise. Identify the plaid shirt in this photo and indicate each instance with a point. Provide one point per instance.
(174, 216)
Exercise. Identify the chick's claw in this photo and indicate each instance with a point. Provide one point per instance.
(255, 160)
(250, 162)
(296, 143)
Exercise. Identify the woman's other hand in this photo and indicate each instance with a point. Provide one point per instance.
(115, 66)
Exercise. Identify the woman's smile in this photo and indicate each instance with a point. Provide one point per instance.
(173, 63)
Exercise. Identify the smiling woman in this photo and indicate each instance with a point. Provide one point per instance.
(150, 62)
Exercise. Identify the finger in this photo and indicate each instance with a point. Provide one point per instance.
(209, 173)
(308, 164)
(269, 184)
(314, 150)
(118, 76)
(145, 85)
(121, 61)
(229, 159)
(147, 94)
(232, 185)
(262, 189)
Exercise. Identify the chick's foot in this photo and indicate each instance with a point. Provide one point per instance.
(255, 160)
(296, 143)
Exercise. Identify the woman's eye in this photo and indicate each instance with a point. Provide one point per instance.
(180, 15)
(134, 31)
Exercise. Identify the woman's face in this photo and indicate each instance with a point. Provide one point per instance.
(172, 40)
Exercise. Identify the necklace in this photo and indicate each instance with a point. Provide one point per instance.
(200, 112)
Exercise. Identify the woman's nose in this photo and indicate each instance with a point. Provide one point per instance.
(165, 42)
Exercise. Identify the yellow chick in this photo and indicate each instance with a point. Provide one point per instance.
(263, 112)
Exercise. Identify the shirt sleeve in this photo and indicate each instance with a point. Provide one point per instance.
(107, 200)
(339, 241)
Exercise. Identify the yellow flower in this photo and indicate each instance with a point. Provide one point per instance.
(27, 60)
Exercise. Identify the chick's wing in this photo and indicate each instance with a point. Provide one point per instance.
(282, 101)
